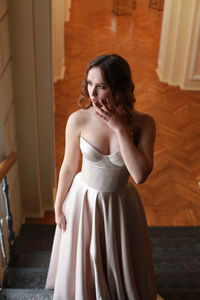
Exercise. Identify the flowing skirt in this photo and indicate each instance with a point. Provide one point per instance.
(105, 251)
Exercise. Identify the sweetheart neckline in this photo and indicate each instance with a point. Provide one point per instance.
(108, 155)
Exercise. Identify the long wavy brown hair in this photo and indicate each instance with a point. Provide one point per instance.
(116, 73)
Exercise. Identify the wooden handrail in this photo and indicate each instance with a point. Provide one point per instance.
(6, 164)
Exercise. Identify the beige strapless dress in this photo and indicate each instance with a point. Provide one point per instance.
(105, 252)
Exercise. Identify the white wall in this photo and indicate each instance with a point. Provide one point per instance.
(27, 108)
(179, 58)
(31, 23)
(8, 140)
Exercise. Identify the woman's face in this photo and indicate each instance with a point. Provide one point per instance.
(98, 90)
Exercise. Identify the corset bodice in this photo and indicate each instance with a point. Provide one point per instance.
(103, 172)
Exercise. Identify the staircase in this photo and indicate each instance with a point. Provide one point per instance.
(27, 279)
(176, 253)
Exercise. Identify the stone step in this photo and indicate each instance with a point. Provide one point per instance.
(176, 254)
(174, 231)
(26, 278)
(26, 244)
(176, 263)
(26, 294)
(34, 259)
(35, 237)
(35, 278)
(175, 239)
(40, 237)
(174, 245)
(180, 295)
(37, 231)
(178, 280)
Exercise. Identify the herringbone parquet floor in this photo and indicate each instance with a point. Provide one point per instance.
(171, 196)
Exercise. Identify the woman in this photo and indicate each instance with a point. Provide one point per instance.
(101, 246)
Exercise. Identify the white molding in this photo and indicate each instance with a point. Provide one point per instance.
(195, 77)
(179, 58)
(182, 86)
(189, 88)
(195, 48)
(67, 10)
(63, 71)
(160, 75)
(173, 83)
(175, 40)
(164, 35)
(58, 21)
(62, 74)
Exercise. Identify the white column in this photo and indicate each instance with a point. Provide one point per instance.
(67, 10)
(58, 19)
(31, 40)
(8, 139)
(179, 55)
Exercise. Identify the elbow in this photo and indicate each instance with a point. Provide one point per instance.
(67, 171)
(142, 177)
(140, 180)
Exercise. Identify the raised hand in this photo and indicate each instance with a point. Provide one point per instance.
(107, 113)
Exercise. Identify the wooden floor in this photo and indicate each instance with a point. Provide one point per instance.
(171, 196)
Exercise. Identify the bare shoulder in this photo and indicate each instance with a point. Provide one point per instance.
(78, 117)
(77, 120)
(146, 126)
(144, 121)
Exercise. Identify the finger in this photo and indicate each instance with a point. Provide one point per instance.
(101, 116)
(63, 225)
(59, 226)
(111, 107)
(104, 112)
(105, 104)
(96, 107)
(101, 111)
(108, 106)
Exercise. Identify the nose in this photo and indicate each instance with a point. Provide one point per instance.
(93, 91)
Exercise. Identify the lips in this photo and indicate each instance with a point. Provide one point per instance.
(96, 102)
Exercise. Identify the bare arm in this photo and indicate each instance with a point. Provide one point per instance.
(69, 166)
(138, 160)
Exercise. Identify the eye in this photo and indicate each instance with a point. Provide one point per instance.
(89, 82)
(102, 87)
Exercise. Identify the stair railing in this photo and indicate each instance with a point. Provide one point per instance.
(5, 167)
